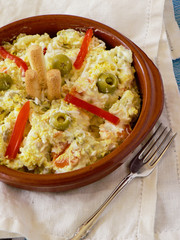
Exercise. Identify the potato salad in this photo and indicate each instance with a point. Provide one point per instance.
(65, 101)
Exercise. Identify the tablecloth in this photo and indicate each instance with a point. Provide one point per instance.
(176, 62)
(149, 208)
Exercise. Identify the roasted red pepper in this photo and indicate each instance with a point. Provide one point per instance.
(92, 108)
(19, 62)
(84, 49)
(17, 134)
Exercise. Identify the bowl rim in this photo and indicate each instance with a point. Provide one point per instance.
(152, 106)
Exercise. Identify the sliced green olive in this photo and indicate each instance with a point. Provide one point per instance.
(5, 81)
(60, 121)
(63, 63)
(107, 83)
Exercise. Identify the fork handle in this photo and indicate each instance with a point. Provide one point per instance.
(85, 228)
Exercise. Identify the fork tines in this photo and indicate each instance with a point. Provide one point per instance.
(157, 143)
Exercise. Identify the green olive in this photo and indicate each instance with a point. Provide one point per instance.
(63, 63)
(5, 81)
(60, 121)
(107, 83)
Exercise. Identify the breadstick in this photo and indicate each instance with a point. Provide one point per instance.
(33, 88)
(54, 84)
(37, 62)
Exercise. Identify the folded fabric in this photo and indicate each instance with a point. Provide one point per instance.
(132, 215)
(168, 207)
(172, 30)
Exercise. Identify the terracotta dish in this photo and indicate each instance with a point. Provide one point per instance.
(151, 89)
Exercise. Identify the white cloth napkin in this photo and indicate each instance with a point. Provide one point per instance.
(172, 29)
(149, 208)
(167, 223)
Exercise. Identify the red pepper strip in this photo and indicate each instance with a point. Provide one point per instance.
(17, 134)
(92, 108)
(84, 49)
(19, 62)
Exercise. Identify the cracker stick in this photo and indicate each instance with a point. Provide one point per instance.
(33, 88)
(54, 84)
(37, 62)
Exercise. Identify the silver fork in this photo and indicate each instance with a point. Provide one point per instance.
(141, 165)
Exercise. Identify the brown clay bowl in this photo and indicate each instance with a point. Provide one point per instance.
(150, 85)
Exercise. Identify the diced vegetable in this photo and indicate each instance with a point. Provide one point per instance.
(19, 62)
(84, 49)
(62, 163)
(17, 134)
(92, 108)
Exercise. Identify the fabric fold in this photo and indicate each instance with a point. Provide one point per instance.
(168, 188)
(172, 29)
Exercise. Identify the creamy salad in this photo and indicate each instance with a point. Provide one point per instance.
(65, 102)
